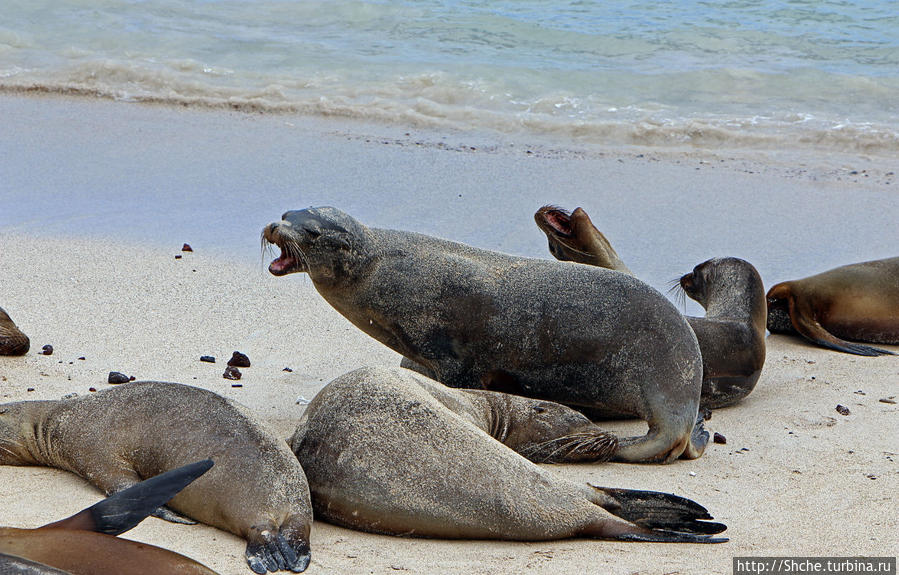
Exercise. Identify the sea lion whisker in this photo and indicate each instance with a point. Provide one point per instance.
(567, 444)
(5, 447)
(677, 290)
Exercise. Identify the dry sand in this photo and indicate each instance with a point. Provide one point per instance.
(96, 200)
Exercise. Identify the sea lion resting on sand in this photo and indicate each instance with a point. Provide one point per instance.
(731, 335)
(85, 543)
(455, 481)
(577, 335)
(117, 436)
(858, 302)
(12, 340)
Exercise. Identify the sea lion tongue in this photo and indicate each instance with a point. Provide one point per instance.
(283, 265)
(556, 218)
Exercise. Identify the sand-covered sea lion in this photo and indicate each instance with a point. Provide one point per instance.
(12, 340)
(118, 436)
(455, 481)
(85, 543)
(857, 302)
(576, 335)
(731, 335)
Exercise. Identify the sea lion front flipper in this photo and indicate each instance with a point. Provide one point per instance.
(271, 549)
(123, 510)
(658, 511)
(806, 324)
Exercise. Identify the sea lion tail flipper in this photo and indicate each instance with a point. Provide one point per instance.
(805, 323)
(123, 510)
(271, 549)
(658, 511)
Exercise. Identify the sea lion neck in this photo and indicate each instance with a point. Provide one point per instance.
(24, 433)
(734, 291)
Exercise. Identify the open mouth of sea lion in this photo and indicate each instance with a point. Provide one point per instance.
(555, 220)
(291, 259)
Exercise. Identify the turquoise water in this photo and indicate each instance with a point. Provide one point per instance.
(713, 74)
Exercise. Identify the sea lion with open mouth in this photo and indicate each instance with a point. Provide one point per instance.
(731, 335)
(582, 336)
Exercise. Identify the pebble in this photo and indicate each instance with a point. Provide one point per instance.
(231, 372)
(239, 360)
(207, 358)
(47, 349)
(186, 248)
(718, 438)
(118, 377)
(843, 410)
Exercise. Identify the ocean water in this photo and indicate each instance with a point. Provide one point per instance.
(729, 74)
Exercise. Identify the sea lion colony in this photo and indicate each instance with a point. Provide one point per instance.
(491, 430)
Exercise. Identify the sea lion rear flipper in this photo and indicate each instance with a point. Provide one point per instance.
(270, 550)
(675, 518)
(806, 324)
(123, 510)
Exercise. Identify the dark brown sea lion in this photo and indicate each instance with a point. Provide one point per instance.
(856, 302)
(12, 340)
(85, 544)
(117, 436)
(732, 333)
(576, 335)
(455, 481)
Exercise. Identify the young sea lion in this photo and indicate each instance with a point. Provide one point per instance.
(85, 544)
(732, 333)
(12, 340)
(117, 436)
(577, 335)
(858, 302)
(456, 481)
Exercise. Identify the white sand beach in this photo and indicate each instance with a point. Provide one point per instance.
(97, 198)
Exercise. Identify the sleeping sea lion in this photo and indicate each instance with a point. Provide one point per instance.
(731, 335)
(385, 454)
(118, 436)
(856, 302)
(577, 335)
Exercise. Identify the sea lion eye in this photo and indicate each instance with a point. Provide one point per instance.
(538, 409)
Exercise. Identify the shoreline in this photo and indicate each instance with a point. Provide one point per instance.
(164, 176)
(100, 196)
